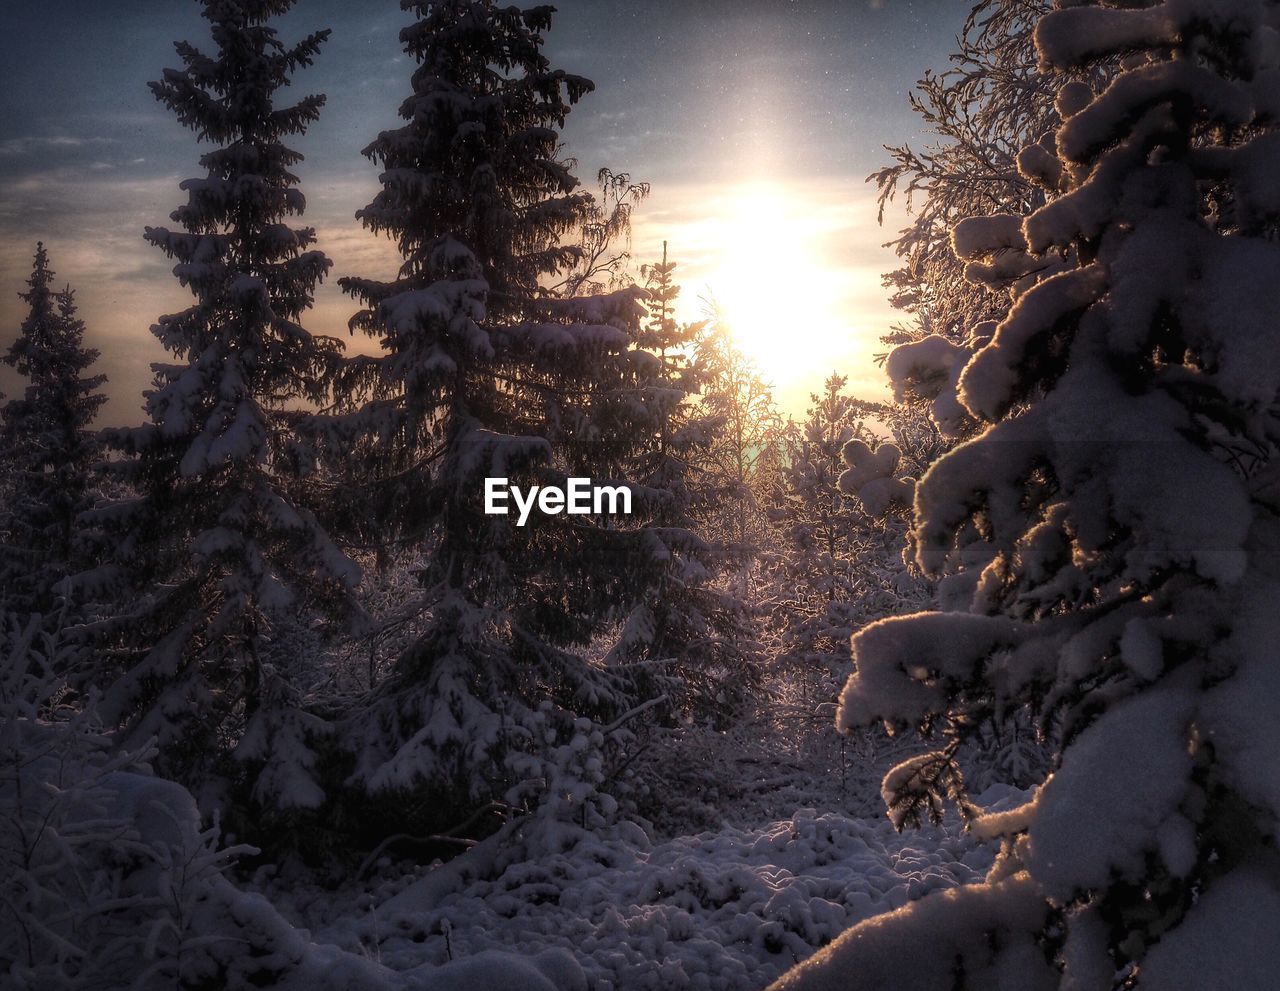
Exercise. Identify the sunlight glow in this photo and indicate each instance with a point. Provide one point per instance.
(780, 302)
(794, 273)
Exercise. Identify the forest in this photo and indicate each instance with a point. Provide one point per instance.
(966, 686)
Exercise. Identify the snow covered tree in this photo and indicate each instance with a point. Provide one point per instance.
(487, 371)
(213, 547)
(1112, 532)
(817, 586)
(990, 112)
(688, 618)
(840, 509)
(48, 447)
(996, 98)
(744, 452)
(835, 565)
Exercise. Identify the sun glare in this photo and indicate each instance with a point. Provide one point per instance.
(787, 301)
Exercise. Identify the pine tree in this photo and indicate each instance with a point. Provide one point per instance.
(744, 452)
(48, 446)
(487, 372)
(819, 591)
(214, 550)
(1116, 525)
(689, 620)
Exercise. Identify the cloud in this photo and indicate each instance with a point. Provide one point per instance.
(37, 144)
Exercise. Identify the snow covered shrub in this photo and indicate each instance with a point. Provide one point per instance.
(60, 922)
(561, 782)
(1113, 532)
(102, 863)
(107, 877)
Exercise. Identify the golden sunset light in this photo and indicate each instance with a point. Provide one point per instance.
(792, 268)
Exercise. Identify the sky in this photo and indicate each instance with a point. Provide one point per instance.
(756, 123)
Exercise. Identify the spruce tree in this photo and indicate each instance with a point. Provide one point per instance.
(213, 551)
(744, 451)
(48, 446)
(819, 589)
(688, 621)
(486, 372)
(1115, 524)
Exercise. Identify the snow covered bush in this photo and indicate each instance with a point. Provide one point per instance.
(108, 879)
(728, 909)
(1111, 536)
(60, 909)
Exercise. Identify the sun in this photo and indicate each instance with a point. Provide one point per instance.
(775, 289)
(793, 268)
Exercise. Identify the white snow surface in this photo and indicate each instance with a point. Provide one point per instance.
(922, 947)
(542, 905)
(555, 907)
(1227, 940)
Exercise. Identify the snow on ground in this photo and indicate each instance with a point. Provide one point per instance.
(727, 909)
